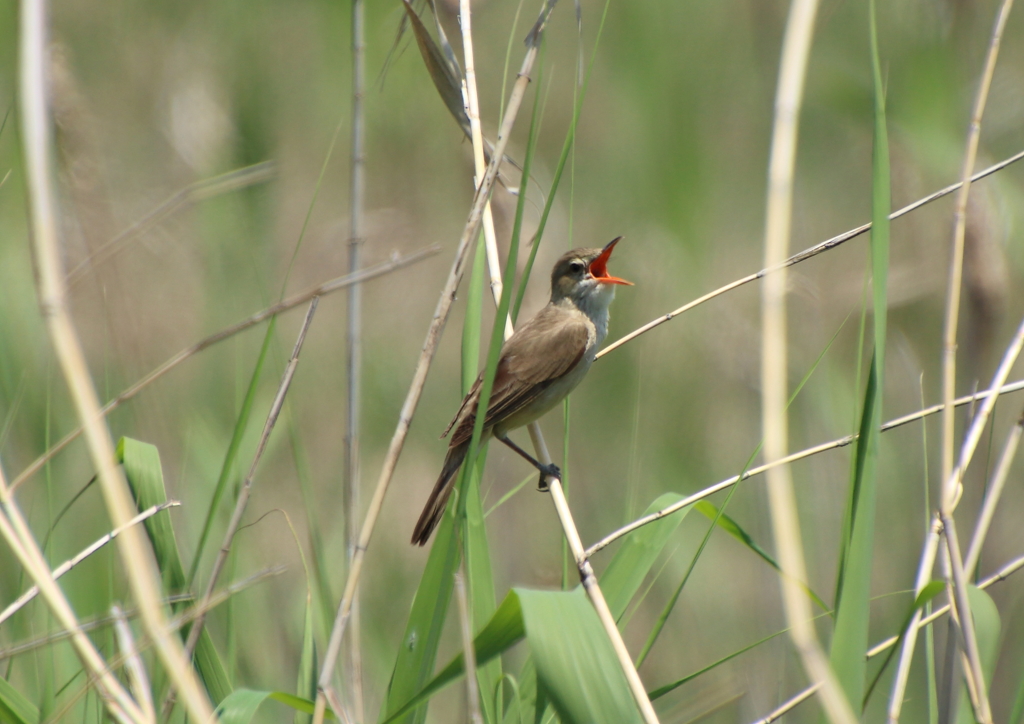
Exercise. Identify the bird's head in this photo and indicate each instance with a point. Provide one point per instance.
(582, 276)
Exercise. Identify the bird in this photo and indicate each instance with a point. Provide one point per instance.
(538, 366)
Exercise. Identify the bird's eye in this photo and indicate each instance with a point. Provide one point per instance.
(576, 267)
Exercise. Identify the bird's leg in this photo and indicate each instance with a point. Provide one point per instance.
(545, 470)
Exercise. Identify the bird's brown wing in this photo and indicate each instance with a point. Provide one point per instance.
(542, 350)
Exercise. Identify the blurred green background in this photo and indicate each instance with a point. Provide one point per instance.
(671, 152)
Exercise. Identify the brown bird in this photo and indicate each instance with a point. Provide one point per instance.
(539, 365)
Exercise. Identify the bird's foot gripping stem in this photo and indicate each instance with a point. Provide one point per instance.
(546, 471)
(550, 469)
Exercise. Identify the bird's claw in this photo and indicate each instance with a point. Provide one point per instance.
(550, 470)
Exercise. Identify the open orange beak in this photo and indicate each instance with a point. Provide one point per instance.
(599, 267)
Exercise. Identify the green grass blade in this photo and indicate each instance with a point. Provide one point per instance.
(667, 688)
(145, 476)
(241, 705)
(232, 453)
(305, 683)
(566, 148)
(14, 707)
(929, 592)
(418, 650)
(576, 666)
(850, 638)
(987, 627)
(710, 511)
(481, 587)
(720, 512)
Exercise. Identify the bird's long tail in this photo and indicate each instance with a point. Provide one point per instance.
(438, 499)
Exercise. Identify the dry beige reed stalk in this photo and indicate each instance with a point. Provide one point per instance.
(136, 670)
(992, 494)
(924, 576)
(15, 531)
(808, 452)
(282, 306)
(208, 188)
(67, 565)
(796, 46)
(1001, 575)
(951, 482)
(589, 581)
(434, 331)
(136, 554)
(806, 254)
(352, 482)
(572, 535)
(246, 491)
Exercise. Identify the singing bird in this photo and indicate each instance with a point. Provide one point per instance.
(539, 365)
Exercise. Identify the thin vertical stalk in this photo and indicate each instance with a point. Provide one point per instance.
(412, 398)
(589, 581)
(995, 491)
(949, 491)
(246, 491)
(924, 576)
(134, 548)
(15, 531)
(472, 102)
(962, 609)
(785, 522)
(354, 351)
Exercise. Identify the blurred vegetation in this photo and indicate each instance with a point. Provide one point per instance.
(671, 151)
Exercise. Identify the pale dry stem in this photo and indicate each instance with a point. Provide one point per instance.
(354, 350)
(1000, 575)
(924, 576)
(434, 331)
(133, 546)
(951, 481)
(15, 531)
(67, 565)
(806, 254)
(282, 306)
(992, 495)
(246, 491)
(561, 506)
(806, 453)
(796, 47)
(589, 581)
(137, 677)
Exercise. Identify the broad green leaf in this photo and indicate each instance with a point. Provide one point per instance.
(504, 630)
(986, 626)
(14, 707)
(638, 552)
(240, 706)
(576, 665)
(850, 638)
(146, 478)
(418, 650)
